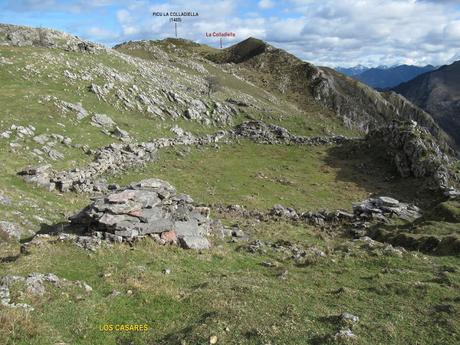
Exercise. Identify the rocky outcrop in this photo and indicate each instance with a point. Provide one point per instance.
(414, 152)
(271, 134)
(147, 208)
(22, 36)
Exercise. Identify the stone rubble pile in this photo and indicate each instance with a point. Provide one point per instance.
(384, 207)
(272, 134)
(380, 208)
(34, 285)
(147, 208)
(111, 159)
(314, 218)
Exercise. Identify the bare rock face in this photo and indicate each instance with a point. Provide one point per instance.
(147, 208)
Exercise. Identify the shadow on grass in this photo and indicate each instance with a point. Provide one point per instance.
(55, 229)
(373, 171)
(188, 333)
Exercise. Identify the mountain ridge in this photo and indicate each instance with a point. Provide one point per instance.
(438, 93)
(383, 78)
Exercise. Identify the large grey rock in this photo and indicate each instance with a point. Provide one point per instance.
(9, 230)
(102, 120)
(194, 242)
(156, 227)
(382, 207)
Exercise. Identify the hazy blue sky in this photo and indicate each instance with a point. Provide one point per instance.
(325, 32)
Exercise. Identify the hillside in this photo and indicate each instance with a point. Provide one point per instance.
(358, 106)
(165, 192)
(438, 93)
(387, 77)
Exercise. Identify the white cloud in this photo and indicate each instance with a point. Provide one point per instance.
(266, 4)
(101, 33)
(326, 32)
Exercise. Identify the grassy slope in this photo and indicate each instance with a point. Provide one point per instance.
(228, 293)
(259, 176)
(416, 300)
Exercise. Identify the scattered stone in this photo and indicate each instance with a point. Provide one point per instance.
(283, 274)
(52, 153)
(115, 293)
(166, 271)
(111, 159)
(213, 340)
(34, 285)
(9, 231)
(120, 133)
(102, 120)
(349, 318)
(4, 200)
(42, 139)
(77, 108)
(272, 134)
(344, 335)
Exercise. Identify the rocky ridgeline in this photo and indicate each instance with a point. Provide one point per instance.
(272, 134)
(362, 107)
(34, 285)
(414, 152)
(147, 208)
(109, 160)
(22, 36)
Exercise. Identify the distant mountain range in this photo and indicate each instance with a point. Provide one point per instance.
(352, 71)
(384, 77)
(438, 93)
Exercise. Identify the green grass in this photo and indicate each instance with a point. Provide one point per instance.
(228, 293)
(259, 176)
(224, 291)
